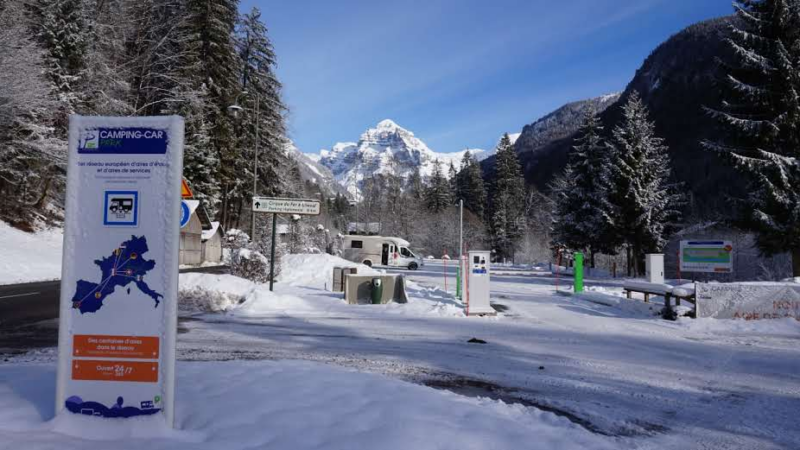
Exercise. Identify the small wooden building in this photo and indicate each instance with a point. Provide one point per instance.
(191, 250)
(212, 244)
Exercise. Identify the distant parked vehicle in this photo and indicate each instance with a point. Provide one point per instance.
(381, 251)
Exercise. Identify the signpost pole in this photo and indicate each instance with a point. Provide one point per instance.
(277, 206)
(272, 252)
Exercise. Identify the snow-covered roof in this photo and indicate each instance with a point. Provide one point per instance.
(192, 204)
(208, 234)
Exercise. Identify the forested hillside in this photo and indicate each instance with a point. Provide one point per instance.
(140, 57)
(676, 82)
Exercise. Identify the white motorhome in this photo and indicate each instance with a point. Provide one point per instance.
(381, 251)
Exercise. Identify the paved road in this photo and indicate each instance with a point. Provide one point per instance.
(29, 313)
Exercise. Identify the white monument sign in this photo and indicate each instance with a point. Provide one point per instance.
(119, 281)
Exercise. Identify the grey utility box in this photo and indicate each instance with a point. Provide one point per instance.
(358, 289)
(654, 268)
(338, 277)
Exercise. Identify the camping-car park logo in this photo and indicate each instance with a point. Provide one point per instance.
(89, 140)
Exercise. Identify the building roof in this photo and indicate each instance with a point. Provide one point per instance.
(208, 234)
(192, 204)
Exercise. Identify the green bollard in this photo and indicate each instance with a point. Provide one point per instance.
(458, 282)
(578, 267)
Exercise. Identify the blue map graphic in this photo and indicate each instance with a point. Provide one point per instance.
(126, 265)
(76, 405)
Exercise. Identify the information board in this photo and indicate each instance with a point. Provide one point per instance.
(119, 281)
(748, 301)
(706, 256)
(286, 206)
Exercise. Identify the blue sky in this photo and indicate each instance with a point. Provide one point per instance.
(458, 73)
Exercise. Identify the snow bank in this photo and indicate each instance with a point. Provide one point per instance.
(615, 298)
(29, 256)
(285, 405)
(315, 270)
(788, 327)
(207, 292)
(301, 301)
(301, 291)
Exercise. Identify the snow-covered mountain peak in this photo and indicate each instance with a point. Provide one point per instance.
(385, 149)
(389, 125)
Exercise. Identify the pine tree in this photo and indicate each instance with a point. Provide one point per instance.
(104, 83)
(452, 178)
(470, 186)
(508, 200)
(263, 104)
(61, 28)
(209, 29)
(29, 155)
(163, 54)
(762, 112)
(415, 187)
(642, 200)
(437, 193)
(200, 161)
(584, 216)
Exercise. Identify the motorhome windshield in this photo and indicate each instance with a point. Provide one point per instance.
(406, 252)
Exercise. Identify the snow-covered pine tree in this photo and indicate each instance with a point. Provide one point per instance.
(31, 159)
(761, 109)
(210, 29)
(200, 161)
(259, 80)
(104, 83)
(395, 204)
(61, 28)
(507, 200)
(584, 216)
(470, 186)
(166, 68)
(415, 189)
(643, 202)
(437, 193)
(452, 178)
(163, 54)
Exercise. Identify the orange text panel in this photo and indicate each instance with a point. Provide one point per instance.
(137, 347)
(96, 370)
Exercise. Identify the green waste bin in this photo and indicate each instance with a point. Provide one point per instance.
(377, 291)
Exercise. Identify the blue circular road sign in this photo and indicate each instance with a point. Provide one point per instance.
(185, 213)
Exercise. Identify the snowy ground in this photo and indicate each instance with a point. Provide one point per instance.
(610, 375)
(29, 257)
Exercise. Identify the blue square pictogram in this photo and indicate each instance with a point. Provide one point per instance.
(121, 208)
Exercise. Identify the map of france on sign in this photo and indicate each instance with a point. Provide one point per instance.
(126, 265)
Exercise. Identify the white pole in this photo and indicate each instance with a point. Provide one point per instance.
(255, 177)
(461, 229)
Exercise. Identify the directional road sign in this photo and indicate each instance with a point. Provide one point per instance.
(286, 206)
